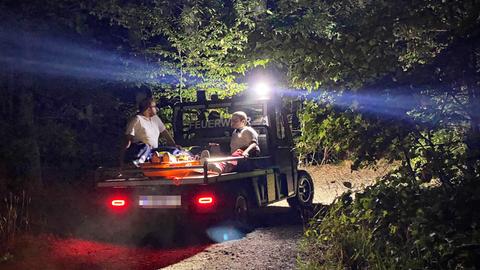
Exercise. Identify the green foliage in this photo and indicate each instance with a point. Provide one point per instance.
(421, 216)
(319, 125)
(349, 43)
(414, 62)
(426, 51)
(397, 224)
(203, 39)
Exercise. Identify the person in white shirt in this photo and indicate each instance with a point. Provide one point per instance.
(142, 134)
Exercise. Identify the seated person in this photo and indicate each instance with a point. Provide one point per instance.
(244, 142)
(142, 134)
(244, 138)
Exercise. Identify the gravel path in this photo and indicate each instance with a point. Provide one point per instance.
(264, 248)
(275, 244)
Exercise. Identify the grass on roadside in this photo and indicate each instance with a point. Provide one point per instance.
(14, 219)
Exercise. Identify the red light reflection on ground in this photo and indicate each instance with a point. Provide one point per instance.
(55, 253)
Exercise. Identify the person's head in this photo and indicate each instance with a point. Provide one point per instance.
(148, 107)
(238, 120)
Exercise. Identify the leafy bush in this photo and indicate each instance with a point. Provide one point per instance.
(398, 224)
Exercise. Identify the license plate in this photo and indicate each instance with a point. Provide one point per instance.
(159, 201)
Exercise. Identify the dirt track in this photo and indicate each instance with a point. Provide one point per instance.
(272, 246)
(274, 243)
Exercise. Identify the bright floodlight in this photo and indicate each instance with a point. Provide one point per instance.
(262, 89)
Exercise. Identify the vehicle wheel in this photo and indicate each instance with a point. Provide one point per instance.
(241, 213)
(240, 209)
(305, 191)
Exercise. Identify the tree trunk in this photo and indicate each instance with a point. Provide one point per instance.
(28, 166)
(30, 156)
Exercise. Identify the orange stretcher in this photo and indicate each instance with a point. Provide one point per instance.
(169, 169)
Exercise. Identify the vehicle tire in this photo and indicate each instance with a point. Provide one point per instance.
(241, 212)
(305, 192)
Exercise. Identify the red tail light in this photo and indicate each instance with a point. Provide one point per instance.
(205, 203)
(206, 200)
(118, 202)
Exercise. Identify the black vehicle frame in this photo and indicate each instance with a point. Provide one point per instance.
(270, 177)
